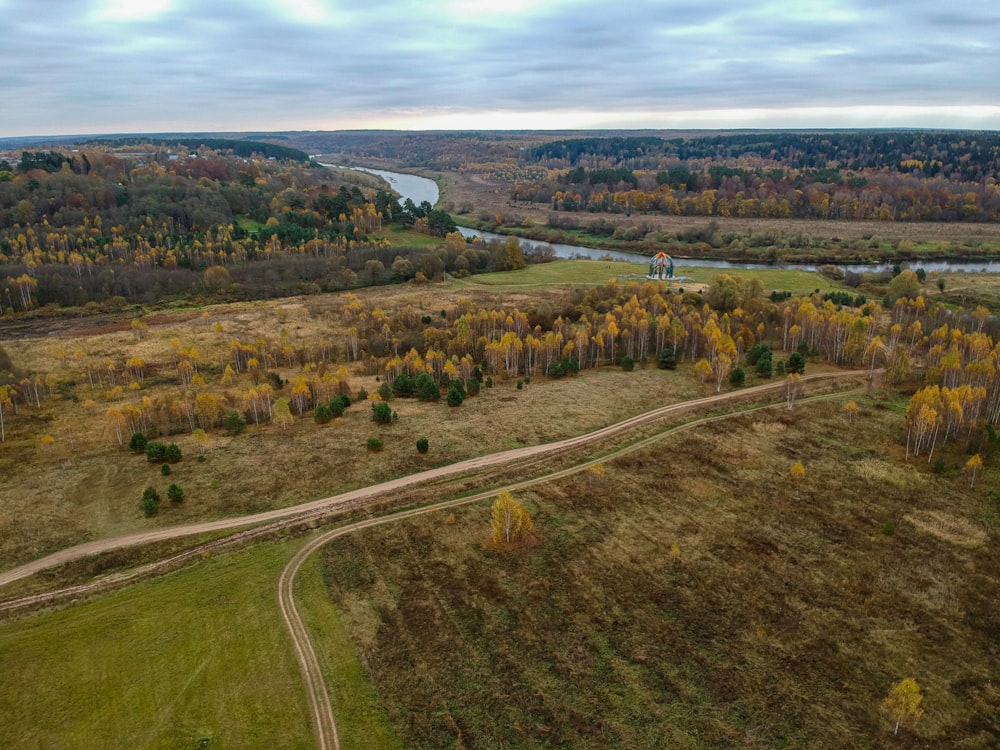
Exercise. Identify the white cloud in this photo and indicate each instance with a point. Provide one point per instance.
(233, 64)
(125, 11)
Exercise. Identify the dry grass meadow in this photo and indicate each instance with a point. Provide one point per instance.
(695, 596)
(83, 486)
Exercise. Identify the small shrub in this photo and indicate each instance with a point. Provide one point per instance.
(489, 382)
(939, 466)
(156, 451)
(233, 423)
(796, 363)
(381, 412)
(520, 385)
(423, 445)
(172, 453)
(667, 360)
(165, 470)
(628, 364)
(150, 502)
(737, 377)
(374, 444)
(362, 395)
(322, 414)
(137, 443)
(456, 394)
(888, 528)
(174, 493)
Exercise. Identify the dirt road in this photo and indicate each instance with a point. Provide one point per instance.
(318, 695)
(368, 494)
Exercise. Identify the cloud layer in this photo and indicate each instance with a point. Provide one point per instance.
(97, 66)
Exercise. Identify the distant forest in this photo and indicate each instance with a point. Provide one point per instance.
(887, 176)
(93, 226)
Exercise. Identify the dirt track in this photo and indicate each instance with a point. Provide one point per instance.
(367, 494)
(317, 693)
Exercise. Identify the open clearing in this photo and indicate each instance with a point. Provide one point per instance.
(695, 596)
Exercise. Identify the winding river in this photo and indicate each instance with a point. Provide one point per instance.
(419, 189)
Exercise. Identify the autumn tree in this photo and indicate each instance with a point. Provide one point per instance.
(511, 522)
(851, 409)
(793, 387)
(283, 414)
(902, 705)
(6, 405)
(972, 466)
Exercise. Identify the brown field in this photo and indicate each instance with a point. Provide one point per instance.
(695, 596)
(82, 486)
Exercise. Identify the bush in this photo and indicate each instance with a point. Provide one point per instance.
(426, 388)
(174, 493)
(138, 442)
(796, 363)
(756, 352)
(888, 528)
(173, 453)
(628, 364)
(765, 368)
(520, 385)
(423, 445)
(381, 413)
(456, 394)
(156, 451)
(472, 387)
(233, 423)
(335, 407)
(666, 360)
(737, 377)
(362, 395)
(165, 470)
(150, 502)
(374, 444)
(322, 414)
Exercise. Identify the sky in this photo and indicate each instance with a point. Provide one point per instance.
(125, 66)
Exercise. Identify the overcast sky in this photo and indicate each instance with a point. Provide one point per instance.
(102, 66)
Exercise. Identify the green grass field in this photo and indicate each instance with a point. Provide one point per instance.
(196, 659)
(599, 272)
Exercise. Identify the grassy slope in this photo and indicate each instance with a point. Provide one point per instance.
(696, 597)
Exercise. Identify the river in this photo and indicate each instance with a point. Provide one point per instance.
(419, 189)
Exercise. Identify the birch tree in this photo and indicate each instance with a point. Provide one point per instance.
(511, 522)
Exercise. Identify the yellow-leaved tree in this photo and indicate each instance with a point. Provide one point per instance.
(902, 705)
(511, 522)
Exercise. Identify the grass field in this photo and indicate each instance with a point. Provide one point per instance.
(197, 659)
(599, 272)
(697, 596)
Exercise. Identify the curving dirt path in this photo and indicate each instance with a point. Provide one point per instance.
(367, 494)
(318, 695)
